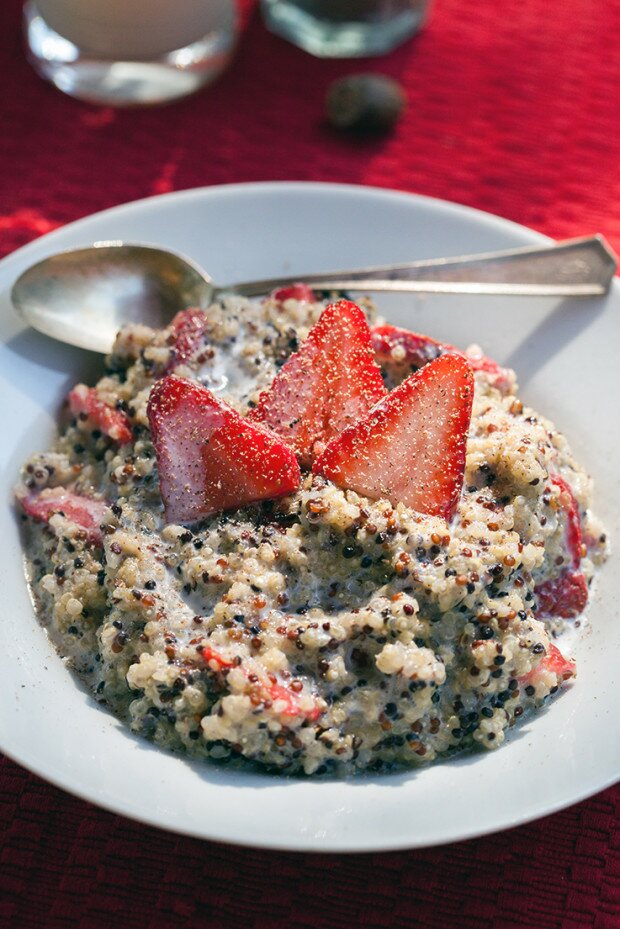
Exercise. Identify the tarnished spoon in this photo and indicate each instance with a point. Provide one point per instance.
(83, 296)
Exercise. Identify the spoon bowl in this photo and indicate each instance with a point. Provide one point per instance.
(85, 295)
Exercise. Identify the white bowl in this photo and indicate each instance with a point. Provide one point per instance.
(565, 353)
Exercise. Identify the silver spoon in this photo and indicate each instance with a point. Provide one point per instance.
(83, 296)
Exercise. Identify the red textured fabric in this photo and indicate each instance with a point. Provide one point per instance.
(512, 108)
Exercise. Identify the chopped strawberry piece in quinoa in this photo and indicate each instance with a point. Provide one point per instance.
(278, 693)
(392, 344)
(210, 655)
(272, 692)
(209, 458)
(568, 503)
(396, 346)
(85, 512)
(555, 662)
(330, 383)
(298, 291)
(410, 448)
(565, 595)
(187, 336)
(84, 401)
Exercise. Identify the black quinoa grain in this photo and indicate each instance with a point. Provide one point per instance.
(150, 585)
(485, 632)
(366, 561)
(530, 691)
(538, 649)
(499, 660)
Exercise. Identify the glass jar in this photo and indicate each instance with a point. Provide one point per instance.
(345, 28)
(123, 52)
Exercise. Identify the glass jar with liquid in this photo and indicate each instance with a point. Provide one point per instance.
(124, 52)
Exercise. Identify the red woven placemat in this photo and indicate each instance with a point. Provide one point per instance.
(512, 108)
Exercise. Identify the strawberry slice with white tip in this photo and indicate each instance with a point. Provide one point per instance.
(209, 458)
(410, 448)
(86, 405)
(326, 386)
(85, 512)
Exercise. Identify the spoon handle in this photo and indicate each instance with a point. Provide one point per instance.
(574, 267)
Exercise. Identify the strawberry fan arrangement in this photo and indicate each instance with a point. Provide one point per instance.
(327, 410)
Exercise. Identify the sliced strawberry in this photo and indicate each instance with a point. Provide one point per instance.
(209, 458)
(402, 348)
(393, 345)
(565, 595)
(297, 291)
(410, 448)
(568, 503)
(553, 661)
(328, 384)
(271, 691)
(84, 401)
(187, 336)
(85, 512)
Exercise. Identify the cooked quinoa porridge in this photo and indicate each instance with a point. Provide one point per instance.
(294, 589)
